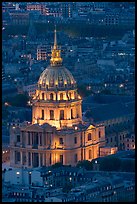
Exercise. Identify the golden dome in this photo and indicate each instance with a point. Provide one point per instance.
(56, 77)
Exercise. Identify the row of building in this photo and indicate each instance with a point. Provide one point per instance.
(67, 184)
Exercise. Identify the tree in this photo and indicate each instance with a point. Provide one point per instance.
(110, 163)
(19, 100)
(57, 165)
(85, 163)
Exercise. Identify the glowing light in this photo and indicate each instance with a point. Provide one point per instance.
(30, 172)
(79, 97)
(70, 179)
(6, 104)
(3, 152)
(18, 172)
(76, 128)
(121, 85)
(13, 127)
(96, 162)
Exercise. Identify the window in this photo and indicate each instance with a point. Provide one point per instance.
(17, 156)
(42, 96)
(18, 138)
(111, 139)
(72, 114)
(40, 138)
(89, 136)
(62, 115)
(51, 96)
(89, 154)
(75, 140)
(60, 140)
(61, 96)
(29, 158)
(127, 145)
(75, 158)
(99, 134)
(42, 113)
(28, 138)
(61, 158)
(51, 115)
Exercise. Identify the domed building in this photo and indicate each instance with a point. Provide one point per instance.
(57, 132)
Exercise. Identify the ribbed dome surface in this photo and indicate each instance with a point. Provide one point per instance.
(58, 77)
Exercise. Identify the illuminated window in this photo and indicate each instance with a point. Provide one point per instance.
(89, 154)
(61, 114)
(51, 115)
(89, 136)
(51, 96)
(61, 96)
(42, 113)
(42, 96)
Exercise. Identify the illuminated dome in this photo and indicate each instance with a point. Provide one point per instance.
(56, 77)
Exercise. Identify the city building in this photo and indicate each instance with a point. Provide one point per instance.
(19, 17)
(57, 132)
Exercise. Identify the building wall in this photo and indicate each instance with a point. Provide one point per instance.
(34, 146)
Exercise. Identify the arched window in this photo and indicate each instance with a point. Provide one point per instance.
(51, 96)
(61, 96)
(51, 114)
(42, 96)
(61, 114)
(89, 154)
(89, 136)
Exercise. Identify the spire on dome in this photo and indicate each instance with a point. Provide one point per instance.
(55, 38)
(56, 59)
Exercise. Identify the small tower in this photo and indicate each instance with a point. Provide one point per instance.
(56, 59)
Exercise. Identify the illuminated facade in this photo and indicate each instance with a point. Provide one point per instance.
(57, 132)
